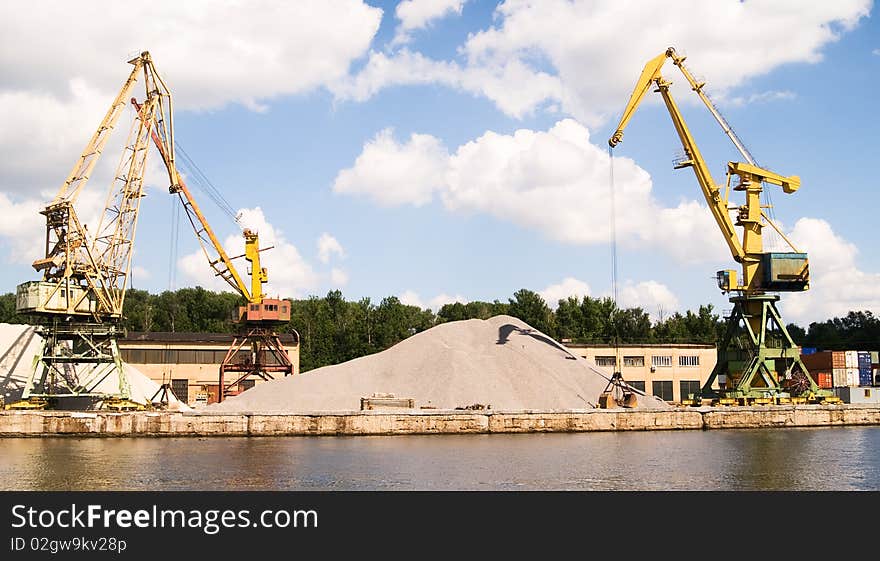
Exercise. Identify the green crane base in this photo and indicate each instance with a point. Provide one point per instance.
(757, 358)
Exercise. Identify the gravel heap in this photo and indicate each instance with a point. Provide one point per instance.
(501, 363)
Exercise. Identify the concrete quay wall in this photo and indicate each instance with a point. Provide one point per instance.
(385, 422)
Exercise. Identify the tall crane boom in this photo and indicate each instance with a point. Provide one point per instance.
(760, 271)
(757, 358)
(256, 349)
(217, 257)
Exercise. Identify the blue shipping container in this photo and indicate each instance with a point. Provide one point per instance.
(864, 358)
(865, 378)
(808, 350)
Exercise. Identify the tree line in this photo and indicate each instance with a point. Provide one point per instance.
(333, 329)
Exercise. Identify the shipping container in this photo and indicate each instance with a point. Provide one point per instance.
(875, 357)
(808, 350)
(852, 359)
(824, 361)
(864, 359)
(865, 378)
(852, 376)
(838, 377)
(823, 379)
(858, 395)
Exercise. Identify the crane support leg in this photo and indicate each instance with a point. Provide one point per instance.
(757, 357)
(255, 352)
(75, 359)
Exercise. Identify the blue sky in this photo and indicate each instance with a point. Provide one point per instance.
(442, 150)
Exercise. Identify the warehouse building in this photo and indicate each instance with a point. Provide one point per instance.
(667, 371)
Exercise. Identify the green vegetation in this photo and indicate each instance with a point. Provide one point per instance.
(334, 330)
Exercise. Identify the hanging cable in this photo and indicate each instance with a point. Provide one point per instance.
(204, 184)
(175, 238)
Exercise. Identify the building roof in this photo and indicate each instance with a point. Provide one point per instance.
(640, 345)
(189, 337)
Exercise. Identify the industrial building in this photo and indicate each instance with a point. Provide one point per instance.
(190, 362)
(667, 371)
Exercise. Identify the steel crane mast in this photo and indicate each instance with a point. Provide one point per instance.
(79, 301)
(757, 359)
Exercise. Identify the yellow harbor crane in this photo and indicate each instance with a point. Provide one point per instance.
(256, 350)
(78, 302)
(757, 360)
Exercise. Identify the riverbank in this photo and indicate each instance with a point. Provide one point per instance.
(385, 422)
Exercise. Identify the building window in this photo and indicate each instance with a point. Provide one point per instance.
(661, 360)
(689, 360)
(662, 389)
(633, 361)
(608, 361)
(180, 388)
(688, 387)
(637, 384)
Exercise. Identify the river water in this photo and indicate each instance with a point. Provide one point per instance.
(818, 459)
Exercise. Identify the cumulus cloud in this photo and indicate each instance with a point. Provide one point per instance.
(327, 247)
(569, 286)
(418, 14)
(57, 82)
(512, 85)
(412, 298)
(290, 275)
(391, 173)
(763, 97)
(651, 296)
(837, 284)
(554, 182)
(567, 54)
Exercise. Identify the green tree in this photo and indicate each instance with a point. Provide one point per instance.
(532, 309)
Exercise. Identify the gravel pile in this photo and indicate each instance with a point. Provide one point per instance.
(501, 363)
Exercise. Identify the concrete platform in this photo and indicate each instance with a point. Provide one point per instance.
(383, 422)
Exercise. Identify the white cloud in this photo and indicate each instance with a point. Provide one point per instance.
(392, 174)
(338, 277)
(210, 54)
(569, 286)
(418, 14)
(513, 86)
(837, 284)
(554, 182)
(328, 246)
(289, 274)
(763, 97)
(568, 54)
(412, 298)
(23, 229)
(58, 82)
(876, 52)
(651, 296)
(140, 273)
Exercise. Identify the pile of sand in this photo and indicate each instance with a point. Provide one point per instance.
(501, 363)
(20, 345)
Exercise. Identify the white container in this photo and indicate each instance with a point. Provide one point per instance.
(852, 376)
(838, 377)
(852, 359)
